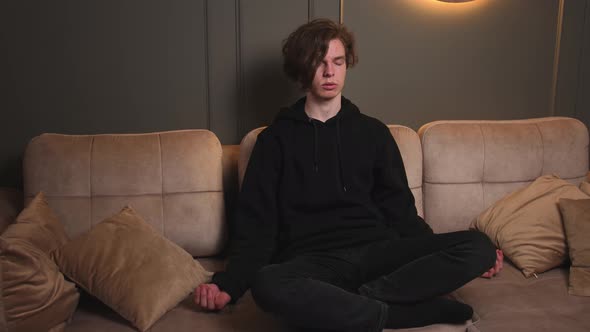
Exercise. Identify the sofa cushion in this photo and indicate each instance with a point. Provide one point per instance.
(174, 179)
(576, 221)
(33, 292)
(509, 302)
(469, 165)
(527, 225)
(129, 266)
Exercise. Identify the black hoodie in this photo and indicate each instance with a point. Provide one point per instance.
(315, 186)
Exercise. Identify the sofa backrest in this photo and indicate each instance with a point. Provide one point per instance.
(173, 179)
(406, 139)
(469, 165)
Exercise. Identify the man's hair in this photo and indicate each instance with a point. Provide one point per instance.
(306, 47)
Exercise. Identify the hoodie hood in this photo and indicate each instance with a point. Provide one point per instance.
(297, 111)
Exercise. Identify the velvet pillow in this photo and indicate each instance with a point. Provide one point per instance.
(34, 295)
(131, 267)
(527, 224)
(576, 221)
(38, 225)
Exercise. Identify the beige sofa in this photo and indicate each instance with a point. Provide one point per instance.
(185, 183)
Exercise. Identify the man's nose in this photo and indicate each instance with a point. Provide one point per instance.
(329, 70)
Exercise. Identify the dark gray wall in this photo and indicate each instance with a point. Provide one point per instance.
(85, 67)
(583, 97)
(428, 60)
(573, 79)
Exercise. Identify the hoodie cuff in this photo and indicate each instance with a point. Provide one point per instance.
(228, 285)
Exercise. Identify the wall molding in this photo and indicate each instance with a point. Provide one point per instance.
(557, 50)
(581, 79)
(239, 69)
(207, 92)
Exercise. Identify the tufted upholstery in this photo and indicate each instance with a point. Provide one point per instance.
(468, 165)
(173, 179)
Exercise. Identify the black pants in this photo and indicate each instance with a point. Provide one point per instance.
(348, 289)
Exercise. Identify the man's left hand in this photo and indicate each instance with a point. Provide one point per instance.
(497, 266)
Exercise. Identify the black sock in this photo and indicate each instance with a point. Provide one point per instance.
(435, 311)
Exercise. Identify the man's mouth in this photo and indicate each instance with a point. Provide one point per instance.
(329, 86)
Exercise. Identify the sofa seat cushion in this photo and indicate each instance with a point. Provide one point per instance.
(93, 316)
(511, 302)
(213, 264)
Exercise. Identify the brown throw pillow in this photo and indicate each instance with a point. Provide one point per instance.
(34, 295)
(131, 267)
(38, 225)
(527, 225)
(576, 221)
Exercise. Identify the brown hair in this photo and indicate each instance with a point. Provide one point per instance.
(306, 47)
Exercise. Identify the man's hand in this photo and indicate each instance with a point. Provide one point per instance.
(497, 266)
(209, 297)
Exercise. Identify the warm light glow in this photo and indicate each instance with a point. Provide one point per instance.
(438, 10)
(438, 7)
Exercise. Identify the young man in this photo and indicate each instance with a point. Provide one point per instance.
(326, 234)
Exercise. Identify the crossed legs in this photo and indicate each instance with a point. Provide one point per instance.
(394, 283)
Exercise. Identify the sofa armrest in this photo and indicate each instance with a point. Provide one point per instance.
(11, 203)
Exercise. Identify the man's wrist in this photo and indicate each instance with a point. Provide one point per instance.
(226, 285)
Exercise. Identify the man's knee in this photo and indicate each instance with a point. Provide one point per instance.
(483, 249)
(267, 289)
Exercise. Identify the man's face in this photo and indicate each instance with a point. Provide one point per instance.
(330, 75)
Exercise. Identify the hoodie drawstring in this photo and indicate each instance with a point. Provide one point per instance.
(315, 146)
(338, 147)
(340, 154)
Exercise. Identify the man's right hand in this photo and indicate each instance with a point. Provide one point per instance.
(210, 297)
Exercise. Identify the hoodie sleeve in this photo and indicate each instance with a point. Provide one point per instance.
(392, 192)
(254, 232)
